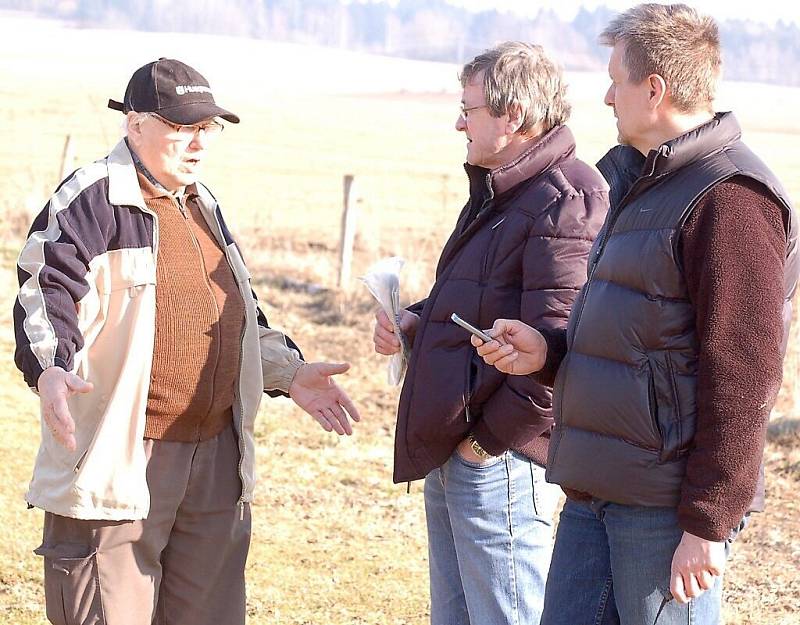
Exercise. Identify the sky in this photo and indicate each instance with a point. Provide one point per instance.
(768, 11)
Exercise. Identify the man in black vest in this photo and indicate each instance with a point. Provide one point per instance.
(672, 358)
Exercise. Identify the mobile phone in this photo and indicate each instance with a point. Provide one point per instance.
(471, 328)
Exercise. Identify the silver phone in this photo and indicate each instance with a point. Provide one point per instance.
(471, 328)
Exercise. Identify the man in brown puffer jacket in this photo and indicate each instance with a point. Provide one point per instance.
(477, 436)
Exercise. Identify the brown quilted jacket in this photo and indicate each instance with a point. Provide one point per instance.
(518, 251)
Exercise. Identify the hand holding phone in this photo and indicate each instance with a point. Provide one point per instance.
(470, 328)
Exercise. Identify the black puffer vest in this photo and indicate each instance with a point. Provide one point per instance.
(625, 396)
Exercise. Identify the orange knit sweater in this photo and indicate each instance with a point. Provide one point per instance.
(199, 323)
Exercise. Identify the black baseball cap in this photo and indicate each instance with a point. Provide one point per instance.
(174, 90)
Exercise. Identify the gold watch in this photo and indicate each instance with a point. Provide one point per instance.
(476, 447)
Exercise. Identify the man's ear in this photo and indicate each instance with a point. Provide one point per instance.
(515, 120)
(657, 90)
(134, 124)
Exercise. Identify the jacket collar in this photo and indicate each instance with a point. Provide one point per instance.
(124, 185)
(623, 166)
(123, 182)
(554, 146)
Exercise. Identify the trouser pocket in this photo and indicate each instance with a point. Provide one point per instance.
(545, 495)
(71, 584)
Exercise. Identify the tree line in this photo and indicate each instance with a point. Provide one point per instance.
(418, 29)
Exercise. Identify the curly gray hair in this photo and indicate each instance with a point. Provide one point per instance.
(520, 76)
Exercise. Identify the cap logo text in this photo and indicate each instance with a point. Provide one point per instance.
(184, 89)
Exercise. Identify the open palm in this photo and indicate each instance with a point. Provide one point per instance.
(314, 390)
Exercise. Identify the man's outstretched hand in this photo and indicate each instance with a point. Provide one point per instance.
(314, 390)
(55, 386)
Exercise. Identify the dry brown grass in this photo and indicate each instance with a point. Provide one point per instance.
(335, 543)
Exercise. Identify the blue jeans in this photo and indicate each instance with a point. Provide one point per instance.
(611, 566)
(490, 530)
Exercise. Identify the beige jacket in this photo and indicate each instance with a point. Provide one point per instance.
(87, 303)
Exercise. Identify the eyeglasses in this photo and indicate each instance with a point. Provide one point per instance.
(465, 111)
(187, 132)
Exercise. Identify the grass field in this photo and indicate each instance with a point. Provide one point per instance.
(335, 542)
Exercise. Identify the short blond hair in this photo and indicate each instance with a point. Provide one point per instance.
(675, 42)
(520, 76)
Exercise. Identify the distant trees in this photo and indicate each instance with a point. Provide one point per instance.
(420, 29)
(761, 53)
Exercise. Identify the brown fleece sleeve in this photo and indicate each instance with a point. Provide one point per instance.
(733, 252)
(556, 340)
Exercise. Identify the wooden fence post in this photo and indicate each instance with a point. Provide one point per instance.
(67, 159)
(348, 234)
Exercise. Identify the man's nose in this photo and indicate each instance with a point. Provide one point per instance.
(199, 140)
(609, 99)
(461, 123)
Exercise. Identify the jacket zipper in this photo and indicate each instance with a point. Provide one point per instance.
(440, 280)
(484, 209)
(482, 279)
(470, 228)
(78, 464)
(469, 386)
(146, 210)
(241, 501)
(486, 256)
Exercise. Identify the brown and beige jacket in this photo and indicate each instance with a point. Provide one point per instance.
(86, 303)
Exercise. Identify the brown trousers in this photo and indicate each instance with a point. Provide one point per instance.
(182, 565)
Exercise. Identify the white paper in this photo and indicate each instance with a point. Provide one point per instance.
(383, 281)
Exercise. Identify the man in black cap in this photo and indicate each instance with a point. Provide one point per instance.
(136, 324)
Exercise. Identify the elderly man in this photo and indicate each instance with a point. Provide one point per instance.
(479, 438)
(136, 323)
(672, 361)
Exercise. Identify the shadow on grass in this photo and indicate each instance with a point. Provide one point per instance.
(328, 307)
(784, 436)
(784, 431)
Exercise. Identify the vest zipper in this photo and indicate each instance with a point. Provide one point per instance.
(597, 254)
(584, 296)
(595, 260)
(679, 448)
(652, 400)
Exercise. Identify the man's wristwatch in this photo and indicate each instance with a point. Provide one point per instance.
(476, 447)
